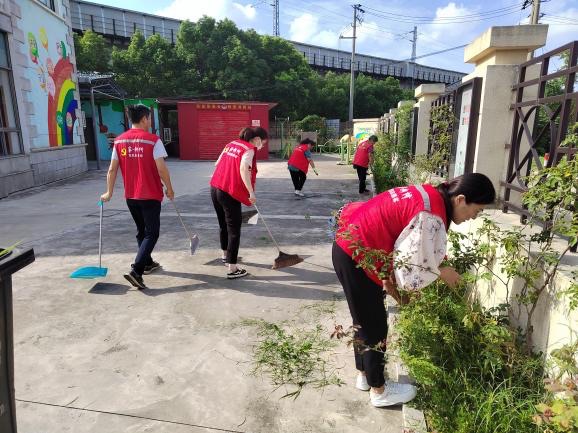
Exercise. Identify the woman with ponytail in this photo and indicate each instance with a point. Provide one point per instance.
(233, 184)
(407, 227)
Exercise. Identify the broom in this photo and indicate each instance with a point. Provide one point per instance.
(283, 260)
(193, 238)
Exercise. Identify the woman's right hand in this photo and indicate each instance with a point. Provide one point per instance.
(252, 198)
(450, 276)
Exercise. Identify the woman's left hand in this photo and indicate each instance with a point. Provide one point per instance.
(252, 198)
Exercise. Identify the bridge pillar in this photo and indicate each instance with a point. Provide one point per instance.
(496, 55)
(425, 94)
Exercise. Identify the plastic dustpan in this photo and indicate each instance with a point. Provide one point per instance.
(93, 271)
(89, 272)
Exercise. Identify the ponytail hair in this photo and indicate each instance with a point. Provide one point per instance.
(249, 133)
(475, 187)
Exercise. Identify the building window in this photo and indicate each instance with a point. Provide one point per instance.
(10, 135)
(49, 4)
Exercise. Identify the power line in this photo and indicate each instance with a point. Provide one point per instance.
(490, 12)
(444, 20)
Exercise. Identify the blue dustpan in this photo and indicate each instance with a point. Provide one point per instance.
(93, 271)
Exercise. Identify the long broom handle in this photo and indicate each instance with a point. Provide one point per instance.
(267, 227)
(101, 204)
(181, 219)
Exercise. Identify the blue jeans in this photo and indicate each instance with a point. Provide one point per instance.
(147, 217)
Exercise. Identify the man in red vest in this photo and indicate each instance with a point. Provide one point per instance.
(141, 158)
(362, 160)
(299, 163)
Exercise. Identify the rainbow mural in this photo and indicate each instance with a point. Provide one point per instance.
(56, 82)
(61, 104)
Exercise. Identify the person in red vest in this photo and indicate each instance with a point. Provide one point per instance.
(141, 158)
(299, 163)
(233, 183)
(362, 159)
(408, 225)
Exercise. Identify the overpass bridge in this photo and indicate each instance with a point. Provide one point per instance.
(118, 25)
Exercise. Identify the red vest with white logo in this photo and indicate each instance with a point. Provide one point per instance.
(361, 157)
(298, 158)
(227, 175)
(137, 165)
(377, 223)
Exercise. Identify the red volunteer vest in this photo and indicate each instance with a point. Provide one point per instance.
(298, 158)
(361, 157)
(227, 175)
(137, 165)
(377, 223)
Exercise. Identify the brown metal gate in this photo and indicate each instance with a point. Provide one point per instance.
(559, 110)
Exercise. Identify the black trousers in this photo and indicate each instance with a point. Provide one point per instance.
(229, 215)
(362, 175)
(366, 305)
(147, 217)
(298, 178)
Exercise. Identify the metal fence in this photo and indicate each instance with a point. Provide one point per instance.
(536, 102)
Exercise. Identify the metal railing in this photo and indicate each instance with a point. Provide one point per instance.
(527, 133)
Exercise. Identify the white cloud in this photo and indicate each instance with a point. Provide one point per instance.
(241, 14)
(303, 28)
(186, 9)
(248, 10)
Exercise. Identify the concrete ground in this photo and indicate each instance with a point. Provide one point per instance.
(99, 356)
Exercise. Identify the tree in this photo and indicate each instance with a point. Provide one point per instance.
(373, 97)
(148, 68)
(92, 52)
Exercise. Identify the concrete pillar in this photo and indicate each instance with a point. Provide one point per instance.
(425, 94)
(392, 122)
(496, 55)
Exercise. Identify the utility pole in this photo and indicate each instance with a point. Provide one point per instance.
(535, 17)
(356, 18)
(413, 54)
(275, 5)
(414, 44)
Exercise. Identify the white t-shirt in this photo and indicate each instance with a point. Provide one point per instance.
(247, 157)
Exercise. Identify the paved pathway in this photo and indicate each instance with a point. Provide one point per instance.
(99, 356)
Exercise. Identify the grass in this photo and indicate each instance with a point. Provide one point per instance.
(296, 357)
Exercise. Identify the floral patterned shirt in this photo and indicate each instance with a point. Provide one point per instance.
(419, 251)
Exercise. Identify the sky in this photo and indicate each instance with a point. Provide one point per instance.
(386, 25)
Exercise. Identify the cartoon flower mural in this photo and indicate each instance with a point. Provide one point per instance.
(33, 45)
(43, 37)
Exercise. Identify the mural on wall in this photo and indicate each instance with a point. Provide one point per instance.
(110, 122)
(55, 81)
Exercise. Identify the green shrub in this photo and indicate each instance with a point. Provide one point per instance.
(475, 374)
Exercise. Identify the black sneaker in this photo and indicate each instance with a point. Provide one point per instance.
(135, 279)
(239, 273)
(151, 268)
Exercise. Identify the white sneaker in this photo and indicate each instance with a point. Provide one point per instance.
(394, 393)
(361, 383)
(299, 193)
